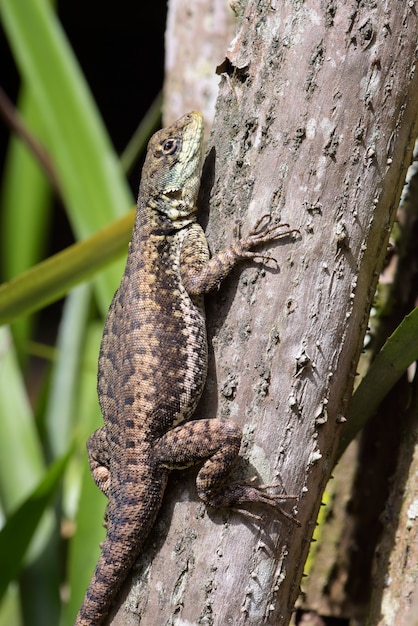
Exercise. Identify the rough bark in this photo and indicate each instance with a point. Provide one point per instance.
(363, 549)
(315, 123)
(395, 566)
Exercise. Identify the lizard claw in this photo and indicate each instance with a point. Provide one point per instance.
(258, 227)
(259, 518)
(246, 513)
(273, 500)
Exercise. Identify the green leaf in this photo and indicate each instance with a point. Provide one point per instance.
(398, 353)
(10, 609)
(21, 458)
(27, 204)
(19, 529)
(90, 176)
(60, 409)
(51, 279)
(79, 486)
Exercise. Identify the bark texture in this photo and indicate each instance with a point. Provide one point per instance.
(366, 546)
(315, 123)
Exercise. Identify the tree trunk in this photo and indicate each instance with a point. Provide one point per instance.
(364, 563)
(315, 123)
(197, 35)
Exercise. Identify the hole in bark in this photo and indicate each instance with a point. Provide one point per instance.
(226, 67)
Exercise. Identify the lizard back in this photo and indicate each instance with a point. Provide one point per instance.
(153, 356)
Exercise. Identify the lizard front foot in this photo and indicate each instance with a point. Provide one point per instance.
(264, 231)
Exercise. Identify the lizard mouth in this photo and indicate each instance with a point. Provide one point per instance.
(174, 194)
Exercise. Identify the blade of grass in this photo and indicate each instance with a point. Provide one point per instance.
(27, 204)
(398, 353)
(20, 528)
(21, 460)
(95, 192)
(10, 609)
(23, 204)
(60, 410)
(17, 124)
(51, 279)
(79, 486)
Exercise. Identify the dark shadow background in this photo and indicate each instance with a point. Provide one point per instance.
(120, 48)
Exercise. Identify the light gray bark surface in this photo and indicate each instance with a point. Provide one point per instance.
(196, 38)
(315, 123)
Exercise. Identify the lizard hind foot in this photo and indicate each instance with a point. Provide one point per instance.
(243, 493)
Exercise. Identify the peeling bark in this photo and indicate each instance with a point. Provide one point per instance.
(315, 123)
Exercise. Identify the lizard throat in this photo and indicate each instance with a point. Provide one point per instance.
(177, 211)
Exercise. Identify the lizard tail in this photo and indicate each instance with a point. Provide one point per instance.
(111, 570)
(126, 534)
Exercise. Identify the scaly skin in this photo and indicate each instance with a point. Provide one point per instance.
(153, 363)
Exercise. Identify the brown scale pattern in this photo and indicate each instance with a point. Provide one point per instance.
(153, 362)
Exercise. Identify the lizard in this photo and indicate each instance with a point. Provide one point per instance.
(153, 364)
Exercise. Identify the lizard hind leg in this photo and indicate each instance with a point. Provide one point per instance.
(217, 443)
(99, 460)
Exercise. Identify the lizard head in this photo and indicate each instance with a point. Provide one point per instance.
(171, 173)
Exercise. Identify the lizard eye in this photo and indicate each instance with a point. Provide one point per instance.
(170, 146)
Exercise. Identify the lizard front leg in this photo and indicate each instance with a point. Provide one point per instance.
(200, 275)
